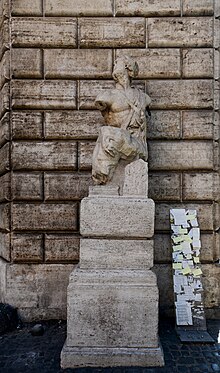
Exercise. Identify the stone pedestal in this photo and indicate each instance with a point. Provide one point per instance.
(112, 314)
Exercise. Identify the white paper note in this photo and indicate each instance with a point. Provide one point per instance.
(183, 314)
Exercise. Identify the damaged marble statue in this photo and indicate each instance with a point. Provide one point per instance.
(124, 110)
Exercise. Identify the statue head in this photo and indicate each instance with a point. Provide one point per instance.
(125, 67)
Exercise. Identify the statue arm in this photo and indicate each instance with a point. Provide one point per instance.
(103, 101)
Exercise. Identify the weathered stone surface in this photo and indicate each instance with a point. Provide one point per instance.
(27, 186)
(4, 158)
(136, 179)
(198, 7)
(89, 89)
(5, 247)
(113, 356)
(26, 125)
(61, 248)
(43, 32)
(136, 217)
(4, 99)
(174, 94)
(165, 186)
(155, 63)
(54, 216)
(112, 32)
(200, 186)
(163, 248)
(5, 217)
(198, 63)
(4, 69)
(210, 280)
(147, 8)
(5, 187)
(85, 155)
(27, 63)
(40, 289)
(4, 37)
(164, 276)
(72, 124)
(27, 248)
(176, 32)
(116, 254)
(43, 94)
(26, 8)
(111, 313)
(4, 9)
(204, 211)
(197, 124)
(4, 129)
(183, 155)
(76, 186)
(79, 8)
(164, 125)
(77, 63)
(44, 155)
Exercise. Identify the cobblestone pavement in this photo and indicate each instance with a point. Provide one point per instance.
(20, 352)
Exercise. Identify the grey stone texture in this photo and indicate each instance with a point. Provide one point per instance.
(51, 72)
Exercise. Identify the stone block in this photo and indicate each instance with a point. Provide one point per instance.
(198, 63)
(44, 155)
(108, 309)
(165, 186)
(27, 248)
(36, 94)
(4, 99)
(27, 186)
(43, 32)
(4, 217)
(54, 216)
(116, 254)
(198, 7)
(5, 246)
(4, 129)
(120, 217)
(136, 179)
(61, 248)
(164, 125)
(165, 285)
(210, 280)
(75, 186)
(205, 212)
(200, 186)
(4, 37)
(183, 155)
(77, 63)
(27, 63)
(197, 124)
(4, 158)
(184, 32)
(26, 8)
(112, 32)
(79, 8)
(40, 289)
(147, 8)
(72, 124)
(26, 125)
(163, 248)
(85, 155)
(185, 94)
(5, 187)
(4, 69)
(155, 63)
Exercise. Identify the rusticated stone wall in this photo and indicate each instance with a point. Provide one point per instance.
(55, 57)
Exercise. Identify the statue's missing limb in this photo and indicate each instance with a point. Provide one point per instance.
(124, 111)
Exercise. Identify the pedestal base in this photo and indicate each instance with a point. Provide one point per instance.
(76, 357)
